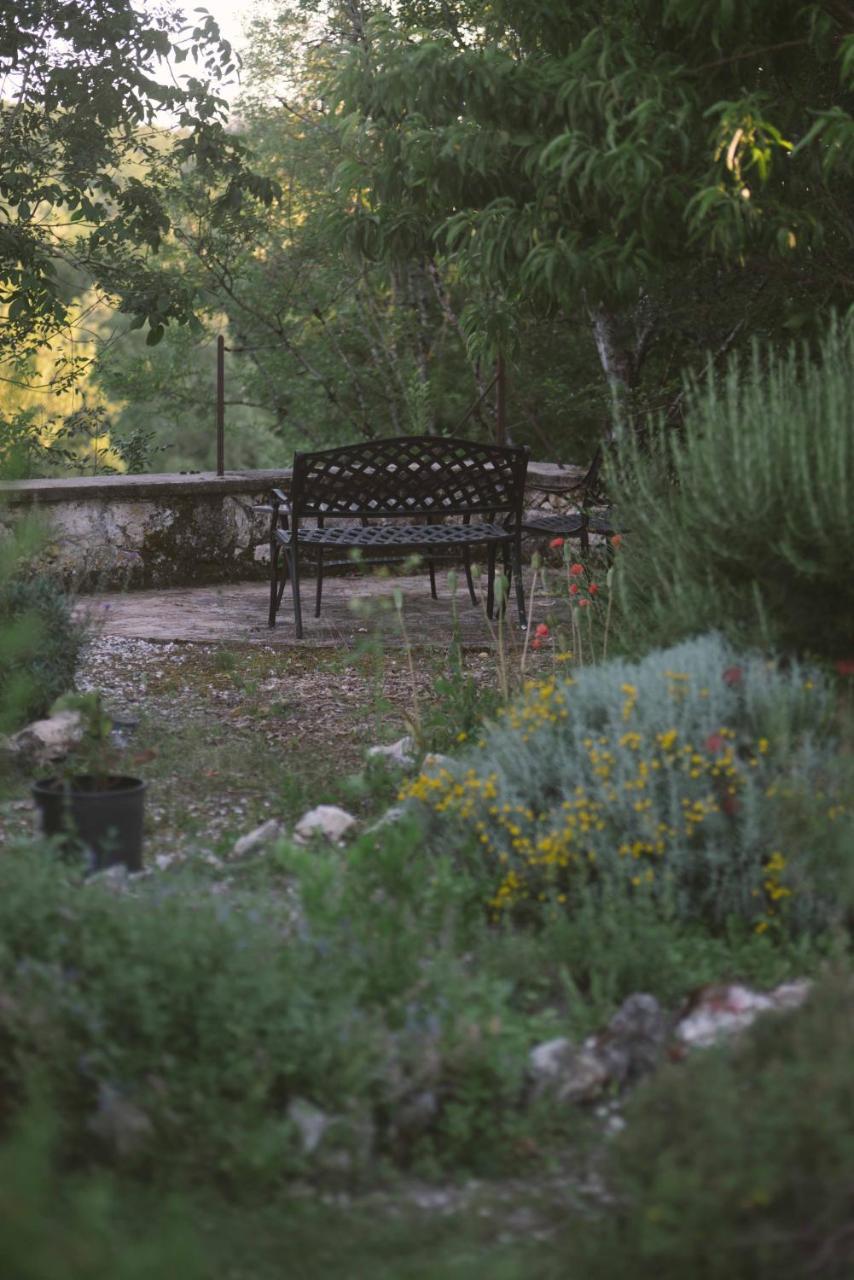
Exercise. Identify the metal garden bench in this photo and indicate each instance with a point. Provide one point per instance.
(400, 496)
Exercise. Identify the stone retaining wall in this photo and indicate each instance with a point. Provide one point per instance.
(177, 529)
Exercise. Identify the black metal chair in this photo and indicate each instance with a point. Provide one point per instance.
(590, 518)
(429, 479)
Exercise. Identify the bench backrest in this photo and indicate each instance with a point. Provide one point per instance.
(408, 476)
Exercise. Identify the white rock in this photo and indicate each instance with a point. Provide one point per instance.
(326, 820)
(401, 753)
(50, 739)
(725, 1010)
(790, 995)
(114, 877)
(310, 1122)
(268, 831)
(546, 1060)
(434, 761)
(392, 815)
(567, 1073)
(585, 1076)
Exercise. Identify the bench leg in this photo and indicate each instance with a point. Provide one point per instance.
(319, 589)
(490, 580)
(467, 565)
(279, 560)
(294, 567)
(432, 567)
(507, 570)
(274, 584)
(520, 586)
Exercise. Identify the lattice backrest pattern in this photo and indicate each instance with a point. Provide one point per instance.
(409, 475)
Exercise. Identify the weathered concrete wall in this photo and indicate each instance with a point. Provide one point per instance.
(109, 532)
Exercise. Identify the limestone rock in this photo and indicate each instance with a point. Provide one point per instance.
(388, 819)
(310, 1123)
(50, 739)
(566, 1072)
(115, 878)
(628, 1048)
(723, 1010)
(400, 753)
(546, 1060)
(633, 1042)
(254, 841)
(327, 820)
(434, 762)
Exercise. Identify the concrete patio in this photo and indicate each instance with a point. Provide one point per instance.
(354, 609)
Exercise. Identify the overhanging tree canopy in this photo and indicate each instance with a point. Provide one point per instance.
(580, 154)
(82, 166)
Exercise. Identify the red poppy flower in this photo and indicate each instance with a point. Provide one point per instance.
(732, 676)
(715, 743)
(583, 602)
(617, 540)
(844, 667)
(576, 569)
(593, 588)
(556, 543)
(536, 643)
(542, 630)
(574, 588)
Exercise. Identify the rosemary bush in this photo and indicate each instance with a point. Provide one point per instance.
(744, 521)
(678, 777)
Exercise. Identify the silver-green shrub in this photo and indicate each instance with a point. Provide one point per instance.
(743, 522)
(677, 775)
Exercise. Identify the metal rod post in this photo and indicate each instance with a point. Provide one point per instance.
(220, 405)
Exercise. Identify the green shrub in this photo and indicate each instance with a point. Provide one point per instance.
(56, 1227)
(739, 1162)
(172, 1025)
(678, 775)
(206, 1014)
(744, 521)
(39, 644)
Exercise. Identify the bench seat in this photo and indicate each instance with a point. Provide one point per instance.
(414, 536)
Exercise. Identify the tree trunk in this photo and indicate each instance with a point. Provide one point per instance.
(622, 342)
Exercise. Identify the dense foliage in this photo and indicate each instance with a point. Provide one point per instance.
(619, 158)
(83, 173)
(740, 1162)
(181, 1027)
(743, 521)
(604, 194)
(55, 1227)
(39, 644)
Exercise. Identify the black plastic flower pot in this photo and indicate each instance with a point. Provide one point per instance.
(101, 815)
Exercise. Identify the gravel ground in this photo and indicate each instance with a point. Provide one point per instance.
(228, 738)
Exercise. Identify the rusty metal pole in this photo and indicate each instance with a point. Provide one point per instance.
(500, 401)
(220, 405)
